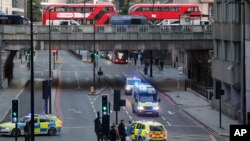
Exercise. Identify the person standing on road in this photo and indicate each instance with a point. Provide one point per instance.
(114, 133)
(141, 59)
(27, 130)
(98, 129)
(135, 58)
(129, 128)
(122, 130)
(162, 64)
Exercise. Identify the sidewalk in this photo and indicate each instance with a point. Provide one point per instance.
(193, 104)
(20, 77)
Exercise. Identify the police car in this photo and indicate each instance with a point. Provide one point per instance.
(130, 82)
(148, 131)
(44, 124)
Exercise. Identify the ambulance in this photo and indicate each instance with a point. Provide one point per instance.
(144, 100)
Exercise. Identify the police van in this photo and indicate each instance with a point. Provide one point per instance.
(130, 82)
(144, 100)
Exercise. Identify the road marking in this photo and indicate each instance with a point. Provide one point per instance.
(212, 137)
(77, 80)
(127, 112)
(169, 123)
(163, 117)
(171, 113)
(130, 117)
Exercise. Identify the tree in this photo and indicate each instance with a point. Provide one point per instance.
(36, 10)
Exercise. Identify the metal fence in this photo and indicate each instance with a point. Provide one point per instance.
(118, 29)
(205, 92)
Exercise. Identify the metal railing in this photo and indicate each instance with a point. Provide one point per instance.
(108, 29)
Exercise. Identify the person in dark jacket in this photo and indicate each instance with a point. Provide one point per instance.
(122, 131)
(162, 64)
(98, 129)
(27, 130)
(114, 133)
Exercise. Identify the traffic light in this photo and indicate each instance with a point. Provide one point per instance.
(105, 105)
(118, 102)
(106, 124)
(46, 89)
(218, 90)
(117, 97)
(14, 112)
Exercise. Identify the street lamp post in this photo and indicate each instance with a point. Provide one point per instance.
(50, 77)
(153, 15)
(94, 62)
(243, 44)
(32, 105)
(84, 10)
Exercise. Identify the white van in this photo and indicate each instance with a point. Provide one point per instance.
(130, 82)
(62, 22)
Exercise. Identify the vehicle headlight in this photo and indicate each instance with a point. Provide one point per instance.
(140, 108)
(156, 108)
(127, 88)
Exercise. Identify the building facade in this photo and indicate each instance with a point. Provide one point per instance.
(231, 62)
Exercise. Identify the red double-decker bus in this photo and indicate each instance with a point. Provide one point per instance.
(159, 12)
(82, 13)
(120, 56)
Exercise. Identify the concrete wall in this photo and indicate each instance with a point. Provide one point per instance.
(109, 37)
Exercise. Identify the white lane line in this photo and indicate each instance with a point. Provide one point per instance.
(77, 80)
(130, 117)
(169, 123)
(163, 117)
(127, 112)
(171, 113)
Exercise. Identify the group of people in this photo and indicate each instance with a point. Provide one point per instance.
(117, 133)
(120, 133)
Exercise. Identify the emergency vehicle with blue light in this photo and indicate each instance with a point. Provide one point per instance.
(144, 100)
(43, 124)
(130, 82)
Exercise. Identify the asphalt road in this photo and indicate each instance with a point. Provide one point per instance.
(78, 108)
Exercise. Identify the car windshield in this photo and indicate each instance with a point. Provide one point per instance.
(156, 128)
(133, 82)
(24, 119)
(148, 98)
